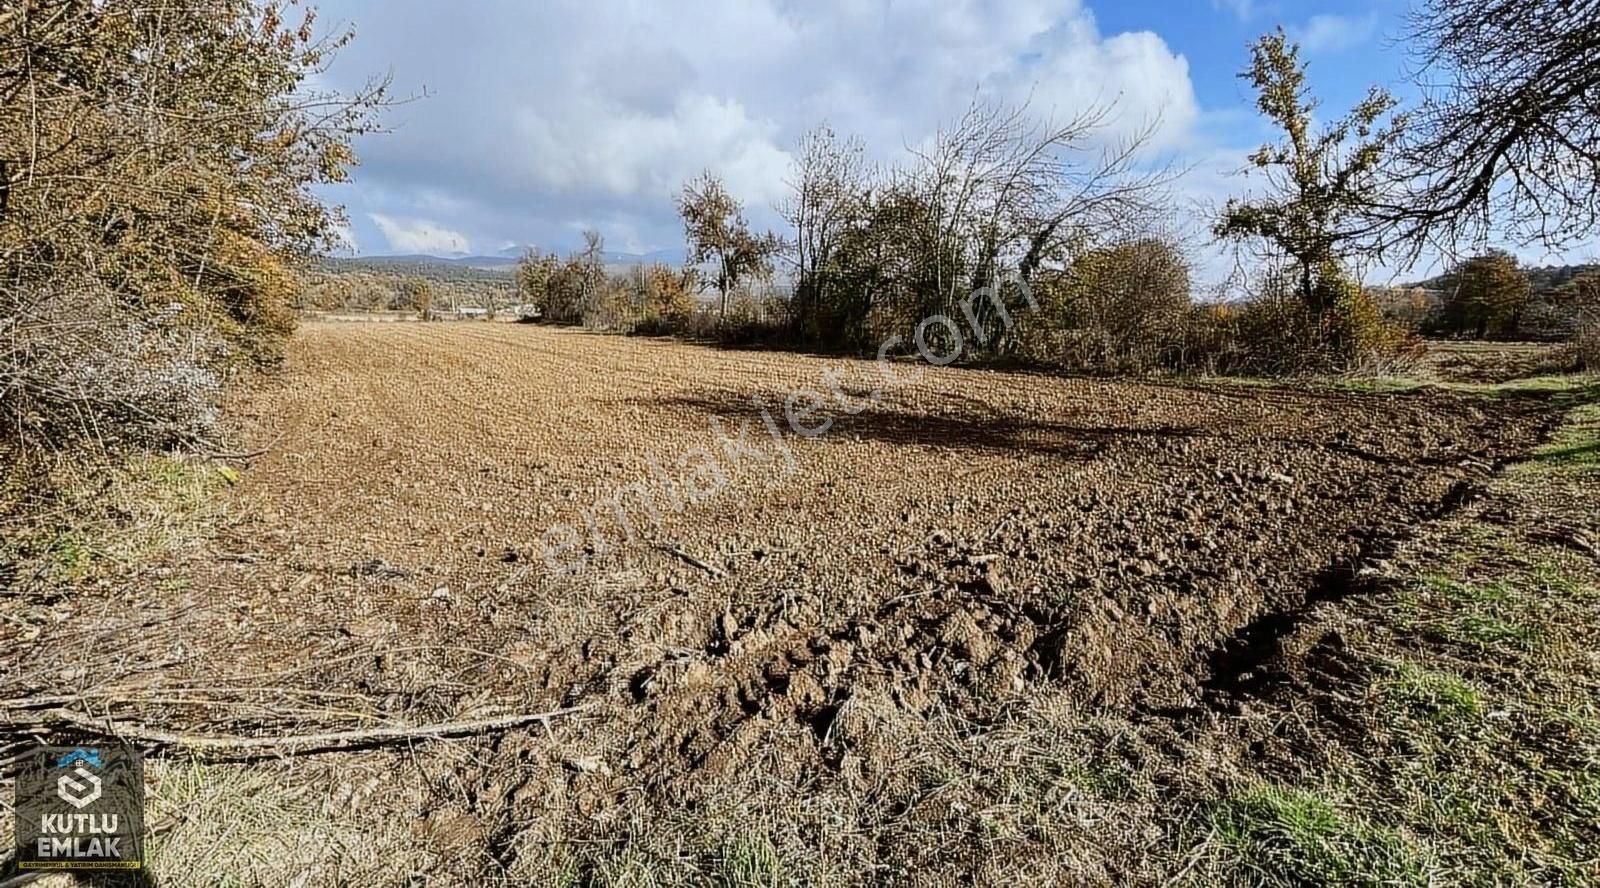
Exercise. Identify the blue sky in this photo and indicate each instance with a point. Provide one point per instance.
(543, 118)
(1350, 44)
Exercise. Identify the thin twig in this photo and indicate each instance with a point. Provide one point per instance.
(249, 454)
(298, 743)
(678, 553)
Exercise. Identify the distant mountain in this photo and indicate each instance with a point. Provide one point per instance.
(504, 262)
(674, 257)
(424, 259)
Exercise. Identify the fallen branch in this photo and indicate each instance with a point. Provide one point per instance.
(297, 743)
(247, 455)
(678, 553)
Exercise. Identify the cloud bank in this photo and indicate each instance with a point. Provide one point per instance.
(541, 119)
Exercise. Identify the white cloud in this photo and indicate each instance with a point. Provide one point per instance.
(543, 118)
(418, 235)
(1333, 33)
(1244, 10)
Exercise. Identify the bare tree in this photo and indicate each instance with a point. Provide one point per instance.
(1507, 140)
(1001, 190)
(830, 187)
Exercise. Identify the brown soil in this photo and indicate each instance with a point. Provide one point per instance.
(959, 543)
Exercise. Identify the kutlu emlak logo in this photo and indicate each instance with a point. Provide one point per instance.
(80, 809)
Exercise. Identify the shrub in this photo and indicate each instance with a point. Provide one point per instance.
(650, 299)
(755, 320)
(149, 233)
(76, 362)
(1587, 346)
(1358, 336)
(1119, 309)
(571, 291)
(1276, 333)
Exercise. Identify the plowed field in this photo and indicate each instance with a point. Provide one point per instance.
(463, 520)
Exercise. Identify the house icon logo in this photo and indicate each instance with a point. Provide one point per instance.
(81, 787)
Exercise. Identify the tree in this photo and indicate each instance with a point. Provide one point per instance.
(667, 293)
(1485, 295)
(535, 271)
(1002, 189)
(992, 198)
(830, 194)
(417, 295)
(714, 223)
(1507, 140)
(164, 160)
(1320, 183)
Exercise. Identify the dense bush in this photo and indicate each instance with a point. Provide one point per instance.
(650, 299)
(575, 290)
(75, 360)
(1276, 332)
(1120, 309)
(161, 191)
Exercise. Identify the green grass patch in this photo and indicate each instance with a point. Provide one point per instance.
(749, 861)
(1484, 616)
(1561, 388)
(69, 558)
(1489, 631)
(1576, 445)
(1440, 696)
(1277, 835)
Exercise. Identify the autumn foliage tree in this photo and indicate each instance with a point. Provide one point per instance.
(1485, 296)
(162, 158)
(718, 235)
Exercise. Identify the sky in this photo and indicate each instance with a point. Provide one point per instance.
(536, 120)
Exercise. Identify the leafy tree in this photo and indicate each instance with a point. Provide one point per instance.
(1485, 295)
(1320, 182)
(714, 223)
(535, 270)
(417, 295)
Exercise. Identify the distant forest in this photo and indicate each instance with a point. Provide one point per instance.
(1542, 280)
